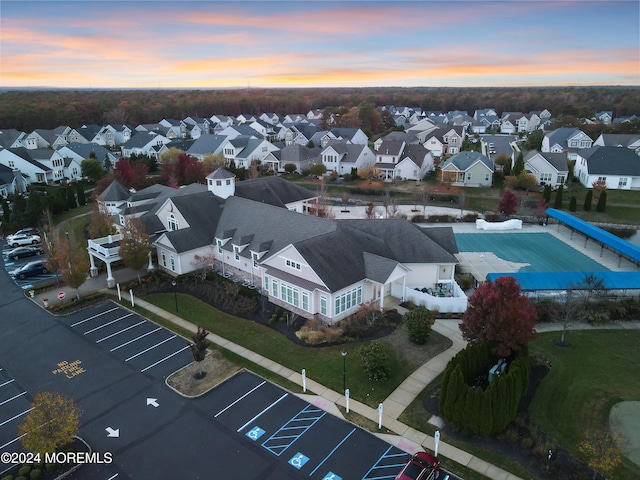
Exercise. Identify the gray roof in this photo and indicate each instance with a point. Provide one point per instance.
(295, 153)
(207, 144)
(115, 192)
(561, 135)
(139, 140)
(556, 160)
(391, 147)
(616, 139)
(220, 173)
(8, 136)
(464, 160)
(273, 191)
(611, 161)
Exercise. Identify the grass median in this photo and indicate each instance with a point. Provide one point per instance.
(322, 364)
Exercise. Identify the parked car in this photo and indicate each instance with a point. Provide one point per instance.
(22, 252)
(24, 231)
(422, 466)
(31, 269)
(22, 239)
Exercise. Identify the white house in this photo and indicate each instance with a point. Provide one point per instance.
(398, 161)
(144, 143)
(619, 167)
(340, 157)
(628, 140)
(566, 140)
(548, 168)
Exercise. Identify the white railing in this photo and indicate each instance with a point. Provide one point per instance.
(102, 246)
(457, 303)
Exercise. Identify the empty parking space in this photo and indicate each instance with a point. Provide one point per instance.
(14, 406)
(141, 343)
(302, 436)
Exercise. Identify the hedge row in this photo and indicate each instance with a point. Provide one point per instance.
(475, 410)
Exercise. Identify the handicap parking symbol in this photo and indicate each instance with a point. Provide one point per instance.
(298, 460)
(331, 476)
(255, 433)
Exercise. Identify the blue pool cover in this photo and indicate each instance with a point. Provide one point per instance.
(533, 281)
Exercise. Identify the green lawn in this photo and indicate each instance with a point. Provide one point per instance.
(585, 381)
(322, 364)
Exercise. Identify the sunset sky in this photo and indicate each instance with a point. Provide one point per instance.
(204, 44)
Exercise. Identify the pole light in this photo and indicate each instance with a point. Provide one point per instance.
(344, 370)
(175, 293)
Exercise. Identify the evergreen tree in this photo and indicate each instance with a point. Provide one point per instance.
(518, 168)
(71, 198)
(82, 201)
(558, 203)
(587, 201)
(486, 419)
(602, 202)
(506, 169)
(572, 204)
(546, 194)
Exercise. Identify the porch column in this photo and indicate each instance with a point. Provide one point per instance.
(111, 282)
(93, 272)
(382, 296)
(404, 286)
(150, 267)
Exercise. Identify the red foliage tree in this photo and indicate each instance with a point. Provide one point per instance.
(508, 204)
(499, 314)
(123, 173)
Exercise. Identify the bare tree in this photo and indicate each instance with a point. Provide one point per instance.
(564, 313)
(370, 211)
(202, 263)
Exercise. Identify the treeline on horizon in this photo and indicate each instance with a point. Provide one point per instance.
(27, 110)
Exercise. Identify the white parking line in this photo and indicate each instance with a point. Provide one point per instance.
(263, 411)
(112, 477)
(137, 338)
(15, 416)
(119, 332)
(12, 398)
(232, 404)
(150, 348)
(14, 440)
(7, 383)
(165, 358)
(95, 316)
(107, 324)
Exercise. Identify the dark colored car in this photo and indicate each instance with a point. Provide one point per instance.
(31, 269)
(22, 252)
(422, 466)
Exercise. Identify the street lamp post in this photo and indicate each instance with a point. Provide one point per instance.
(175, 293)
(344, 370)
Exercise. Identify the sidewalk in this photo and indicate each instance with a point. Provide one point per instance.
(405, 438)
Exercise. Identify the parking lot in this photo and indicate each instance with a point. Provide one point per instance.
(113, 363)
(10, 265)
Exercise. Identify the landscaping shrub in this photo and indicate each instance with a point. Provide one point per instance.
(24, 470)
(418, 218)
(35, 474)
(419, 322)
(375, 359)
(7, 477)
(312, 337)
(332, 334)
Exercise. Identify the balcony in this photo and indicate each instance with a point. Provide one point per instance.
(106, 248)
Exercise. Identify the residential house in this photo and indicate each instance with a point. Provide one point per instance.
(353, 135)
(341, 157)
(469, 169)
(243, 149)
(41, 138)
(618, 167)
(145, 143)
(548, 168)
(81, 151)
(270, 118)
(566, 140)
(395, 160)
(314, 114)
(605, 118)
(204, 125)
(11, 138)
(11, 182)
(628, 140)
(172, 128)
(32, 170)
(299, 155)
(207, 144)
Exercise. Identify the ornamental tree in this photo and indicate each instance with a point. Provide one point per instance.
(509, 203)
(51, 423)
(135, 246)
(500, 315)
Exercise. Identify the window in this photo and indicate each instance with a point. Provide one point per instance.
(254, 258)
(348, 300)
(266, 283)
(228, 182)
(561, 179)
(164, 260)
(173, 263)
(218, 183)
(545, 177)
(305, 301)
(469, 175)
(292, 264)
(487, 177)
(236, 253)
(172, 223)
(274, 288)
(323, 305)
(622, 182)
(219, 246)
(290, 294)
(602, 179)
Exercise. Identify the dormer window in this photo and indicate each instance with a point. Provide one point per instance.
(236, 253)
(219, 246)
(254, 258)
(172, 222)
